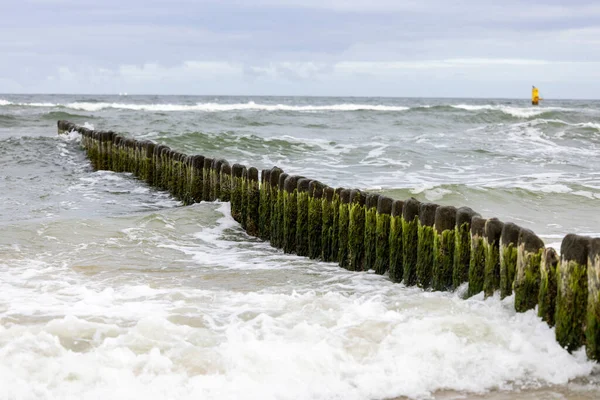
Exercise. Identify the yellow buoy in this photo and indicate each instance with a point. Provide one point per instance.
(535, 96)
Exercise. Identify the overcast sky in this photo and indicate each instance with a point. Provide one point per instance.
(431, 48)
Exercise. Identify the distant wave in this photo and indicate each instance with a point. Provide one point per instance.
(7, 120)
(558, 122)
(10, 103)
(212, 107)
(54, 115)
(518, 112)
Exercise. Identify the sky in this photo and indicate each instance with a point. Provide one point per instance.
(427, 48)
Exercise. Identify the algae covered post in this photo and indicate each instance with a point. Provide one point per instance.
(462, 254)
(425, 244)
(215, 176)
(343, 223)
(196, 178)
(237, 172)
(290, 213)
(206, 179)
(302, 217)
(491, 241)
(273, 220)
(527, 276)
(410, 240)
(370, 230)
(335, 224)
(572, 291)
(592, 332)
(382, 252)
(278, 217)
(396, 269)
(327, 231)
(264, 226)
(165, 163)
(186, 191)
(253, 202)
(65, 126)
(356, 231)
(315, 219)
(547, 293)
(477, 256)
(508, 257)
(225, 178)
(443, 248)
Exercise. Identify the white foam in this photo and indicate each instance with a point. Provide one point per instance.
(35, 104)
(519, 112)
(542, 121)
(594, 125)
(216, 107)
(272, 345)
(71, 136)
(305, 330)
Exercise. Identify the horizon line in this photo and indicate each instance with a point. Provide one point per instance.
(290, 95)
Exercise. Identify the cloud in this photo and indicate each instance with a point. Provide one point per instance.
(308, 46)
(460, 77)
(189, 70)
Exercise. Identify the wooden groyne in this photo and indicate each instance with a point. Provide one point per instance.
(434, 247)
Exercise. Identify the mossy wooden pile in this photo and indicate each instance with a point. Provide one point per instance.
(434, 247)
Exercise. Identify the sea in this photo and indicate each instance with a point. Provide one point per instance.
(111, 289)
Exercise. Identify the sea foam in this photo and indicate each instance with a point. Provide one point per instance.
(307, 330)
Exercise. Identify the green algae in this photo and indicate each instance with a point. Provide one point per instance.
(226, 183)
(278, 216)
(491, 280)
(335, 225)
(302, 219)
(327, 230)
(253, 202)
(443, 259)
(237, 188)
(508, 262)
(425, 252)
(572, 292)
(370, 232)
(462, 254)
(196, 179)
(410, 246)
(343, 223)
(571, 304)
(508, 257)
(290, 213)
(206, 179)
(492, 232)
(264, 222)
(315, 220)
(382, 252)
(396, 269)
(527, 287)
(356, 231)
(592, 326)
(476, 265)
(530, 250)
(547, 293)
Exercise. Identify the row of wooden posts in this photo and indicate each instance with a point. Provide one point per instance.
(434, 247)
